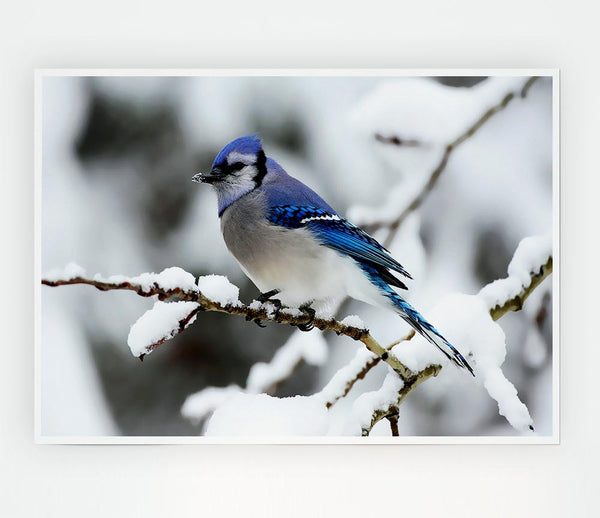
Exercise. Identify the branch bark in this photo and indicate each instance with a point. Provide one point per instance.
(497, 312)
(265, 312)
(262, 312)
(393, 411)
(516, 303)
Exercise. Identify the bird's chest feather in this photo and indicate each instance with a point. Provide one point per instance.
(290, 260)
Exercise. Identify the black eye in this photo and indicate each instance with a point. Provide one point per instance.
(237, 166)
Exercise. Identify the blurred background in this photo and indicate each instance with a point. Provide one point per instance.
(118, 154)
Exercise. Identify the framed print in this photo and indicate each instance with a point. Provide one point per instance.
(297, 256)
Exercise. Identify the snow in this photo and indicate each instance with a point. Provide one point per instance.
(199, 405)
(71, 271)
(264, 415)
(426, 111)
(337, 384)
(168, 279)
(255, 305)
(218, 289)
(353, 321)
(531, 254)
(534, 350)
(438, 244)
(310, 347)
(292, 312)
(466, 323)
(160, 322)
(509, 404)
(398, 197)
(76, 386)
(367, 403)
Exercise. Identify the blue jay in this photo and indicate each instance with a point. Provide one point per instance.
(293, 245)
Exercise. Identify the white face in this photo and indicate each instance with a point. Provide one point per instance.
(238, 179)
(241, 171)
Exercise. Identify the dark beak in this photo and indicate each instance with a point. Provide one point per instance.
(214, 175)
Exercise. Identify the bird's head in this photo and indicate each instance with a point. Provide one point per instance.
(239, 167)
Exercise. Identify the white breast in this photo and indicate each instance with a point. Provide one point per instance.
(291, 260)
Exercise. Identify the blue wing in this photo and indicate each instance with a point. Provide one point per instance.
(337, 233)
(341, 235)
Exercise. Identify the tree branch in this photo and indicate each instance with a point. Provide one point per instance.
(364, 371)
(393, 419)
(394, 225)
(516, 303)
(254, 311)
(497, 312)
(394, 410)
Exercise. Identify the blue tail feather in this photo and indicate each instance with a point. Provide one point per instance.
(415, 320)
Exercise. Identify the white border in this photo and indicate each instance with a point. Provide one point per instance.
(379, 72)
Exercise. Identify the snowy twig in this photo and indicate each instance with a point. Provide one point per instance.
(170, 294)
(393, 410)
(186, 299)
(254, 312)
(497, 312)
(395, 224)
(363, 371)
(301, 347)
(516, 303)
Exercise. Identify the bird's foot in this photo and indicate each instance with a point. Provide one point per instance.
(257, 321)
(310, 312)
(266, 297)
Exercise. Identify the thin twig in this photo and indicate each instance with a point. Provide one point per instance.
(394, 225)
(393, 419)
(516, 303)
(365, 370)
(497, 312)
(183, 324)
(262, 313)
(397, 141)
(393, 410)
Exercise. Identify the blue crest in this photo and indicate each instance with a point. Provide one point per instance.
(248, 145)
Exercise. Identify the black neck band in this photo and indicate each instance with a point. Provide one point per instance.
(261, 166)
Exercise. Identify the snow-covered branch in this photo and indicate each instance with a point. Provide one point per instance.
(530, 265)
(360, 366)
(394, 224)
(181, 298)
(343, 381)
(391, 410)
(516, 303)
(211, 293)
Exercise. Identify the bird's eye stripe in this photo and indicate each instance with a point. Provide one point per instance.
(237, 166)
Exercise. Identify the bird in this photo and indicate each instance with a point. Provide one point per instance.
(296, 249)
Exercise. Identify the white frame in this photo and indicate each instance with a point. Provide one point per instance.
(552, 439)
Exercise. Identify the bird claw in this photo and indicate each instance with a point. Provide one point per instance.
(258, 322)
(307, 326)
